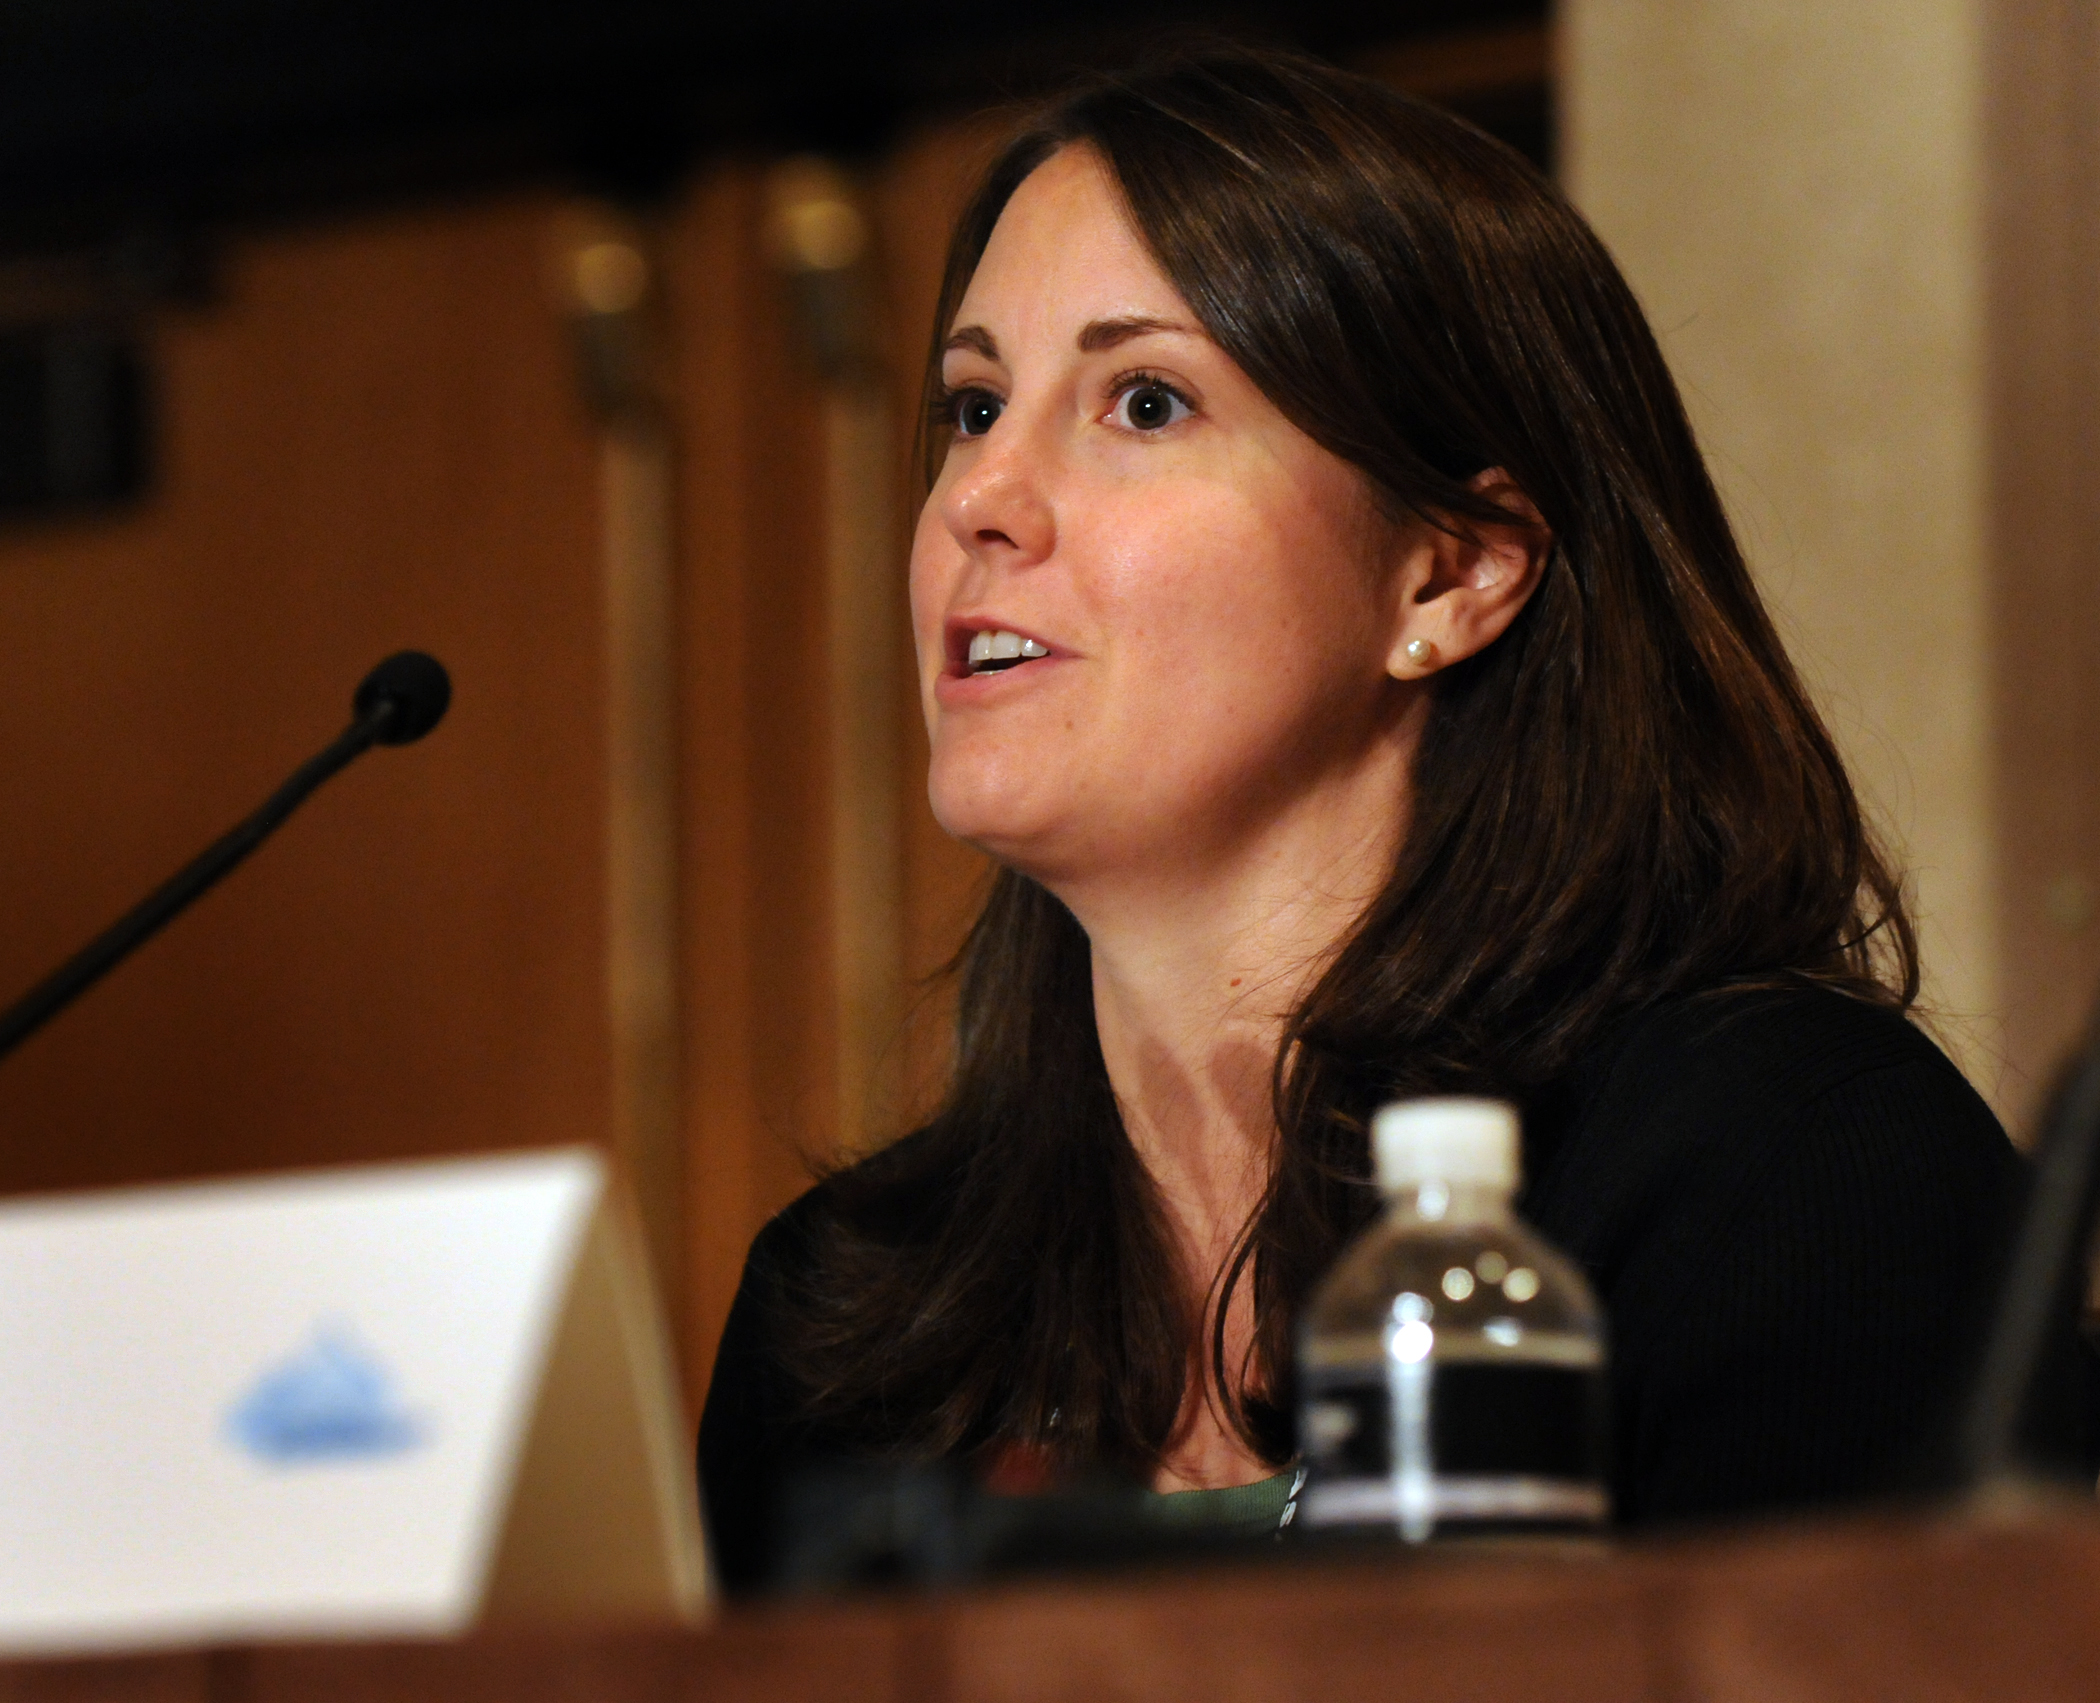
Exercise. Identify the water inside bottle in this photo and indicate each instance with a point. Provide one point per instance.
(1480, 1437)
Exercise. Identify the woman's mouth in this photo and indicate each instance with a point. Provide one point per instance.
(993, 652)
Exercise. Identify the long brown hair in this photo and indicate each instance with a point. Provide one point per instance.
(1629, 796)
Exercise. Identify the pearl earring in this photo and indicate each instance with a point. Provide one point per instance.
(1421, 653)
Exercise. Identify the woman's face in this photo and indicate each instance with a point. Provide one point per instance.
(1198, 593)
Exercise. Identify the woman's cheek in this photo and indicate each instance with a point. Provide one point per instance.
(928, 591)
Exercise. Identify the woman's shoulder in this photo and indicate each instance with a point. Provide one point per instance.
(1746, 1059)
(754, 1430)
(1784, 1045)
(1692, 1102)
(883, 1196)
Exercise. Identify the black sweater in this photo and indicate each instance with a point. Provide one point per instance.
(1789, 1203)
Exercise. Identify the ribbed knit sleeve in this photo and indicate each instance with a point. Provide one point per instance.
(1812, 1355)
(1793, 1217)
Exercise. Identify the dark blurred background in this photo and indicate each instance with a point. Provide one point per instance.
(118, 111)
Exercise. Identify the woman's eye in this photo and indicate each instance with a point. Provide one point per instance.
(1146, 407)
(975, 411)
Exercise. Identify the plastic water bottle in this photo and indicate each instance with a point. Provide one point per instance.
(1451, 1366)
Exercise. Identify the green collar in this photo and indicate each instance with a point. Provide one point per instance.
(1251, 1507)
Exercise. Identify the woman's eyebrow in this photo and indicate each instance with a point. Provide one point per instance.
(972, 337)
(1101, 334)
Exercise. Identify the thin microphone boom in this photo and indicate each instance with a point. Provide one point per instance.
(2043, 1281)
(398, 702)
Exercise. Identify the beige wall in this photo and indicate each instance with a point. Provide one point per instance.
(1798, 192)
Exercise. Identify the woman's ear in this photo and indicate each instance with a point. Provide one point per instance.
(1459, 590)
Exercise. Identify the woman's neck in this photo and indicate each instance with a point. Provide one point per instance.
(1194, 981)
(1197, 970)
(1189, 1029)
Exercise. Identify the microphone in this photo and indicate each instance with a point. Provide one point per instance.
(396, 704)
(2041, 1284)
(403, 698)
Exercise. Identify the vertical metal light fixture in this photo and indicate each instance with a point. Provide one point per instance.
(820, 238)
(607, 277)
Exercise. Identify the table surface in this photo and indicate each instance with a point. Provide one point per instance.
(2004, 1605)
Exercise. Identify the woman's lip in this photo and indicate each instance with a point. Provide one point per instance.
(954, 690)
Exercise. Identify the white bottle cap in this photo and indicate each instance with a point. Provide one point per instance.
(1456, 1141)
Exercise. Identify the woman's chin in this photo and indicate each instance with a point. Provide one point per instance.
(999, 820)
(1002, 833)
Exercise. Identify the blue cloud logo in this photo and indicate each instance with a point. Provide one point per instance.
(332, 1400)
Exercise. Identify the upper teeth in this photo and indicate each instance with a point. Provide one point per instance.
(1002, 646)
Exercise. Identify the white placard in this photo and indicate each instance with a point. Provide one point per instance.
(297, 1406)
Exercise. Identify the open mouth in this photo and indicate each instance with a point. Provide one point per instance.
(996, 652)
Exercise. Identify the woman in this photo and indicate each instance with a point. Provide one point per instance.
(1326, 621)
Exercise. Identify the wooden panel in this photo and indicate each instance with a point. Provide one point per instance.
(1912, 1609)
(1921, 1613)
(2043, 336)
(916, 200)
(1423, 1633)
(763, 1030)
(758, 982)
(370, 440)
(756, 1658)
(374, 437)
(122, 1679)
(1466, 64)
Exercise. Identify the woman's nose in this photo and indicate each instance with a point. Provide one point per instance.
(997, 510)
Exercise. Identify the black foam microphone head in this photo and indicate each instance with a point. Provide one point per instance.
(418, 689)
